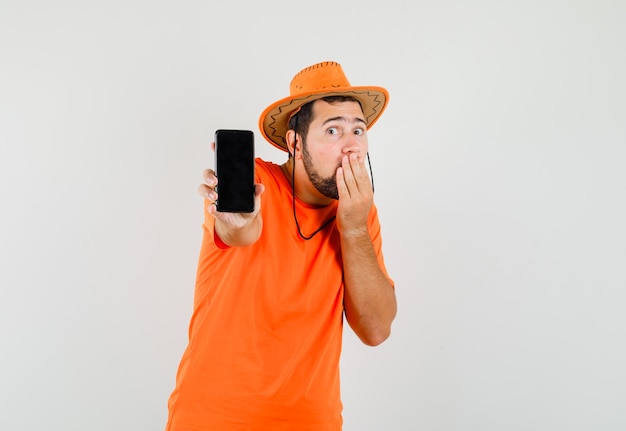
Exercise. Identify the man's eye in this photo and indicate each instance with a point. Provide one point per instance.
(359, 132)
(332, 131)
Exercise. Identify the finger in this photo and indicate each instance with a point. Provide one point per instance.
(342, 189)
(258, 190)
(203, 191)
(209, 177)
(207, 192)
(211, 208)
(361, 176)
(348, 175)
(358, 168)
(213, 145)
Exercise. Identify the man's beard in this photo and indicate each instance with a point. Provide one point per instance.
(326, 186)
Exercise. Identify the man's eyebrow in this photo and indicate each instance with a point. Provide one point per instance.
(340, 118)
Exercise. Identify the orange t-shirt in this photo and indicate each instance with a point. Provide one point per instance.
(265, 334)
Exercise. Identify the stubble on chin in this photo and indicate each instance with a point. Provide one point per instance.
(325, 185)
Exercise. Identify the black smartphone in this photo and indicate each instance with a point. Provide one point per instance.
(234, 167)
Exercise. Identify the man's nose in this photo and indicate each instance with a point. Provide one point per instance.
(351, 144)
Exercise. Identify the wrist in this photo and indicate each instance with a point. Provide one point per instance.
(360, 233)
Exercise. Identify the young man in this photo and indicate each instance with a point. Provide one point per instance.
(273, 286)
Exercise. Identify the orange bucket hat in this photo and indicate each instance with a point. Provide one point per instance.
(314, 82)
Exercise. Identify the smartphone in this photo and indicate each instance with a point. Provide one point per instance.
(234, 167)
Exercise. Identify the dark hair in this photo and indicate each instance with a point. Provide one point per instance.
(302, 120)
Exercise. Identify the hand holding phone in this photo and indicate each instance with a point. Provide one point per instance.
(234, 167)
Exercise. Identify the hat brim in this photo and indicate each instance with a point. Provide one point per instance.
(273, 121)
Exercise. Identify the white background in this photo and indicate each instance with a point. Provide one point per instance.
(499, 173)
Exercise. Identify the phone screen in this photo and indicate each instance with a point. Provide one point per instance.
(234, 167)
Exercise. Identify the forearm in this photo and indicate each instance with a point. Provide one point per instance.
(369, 297)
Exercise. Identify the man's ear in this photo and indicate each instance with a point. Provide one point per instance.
(293, 143)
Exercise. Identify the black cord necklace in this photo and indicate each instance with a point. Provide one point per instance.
(295, 217)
